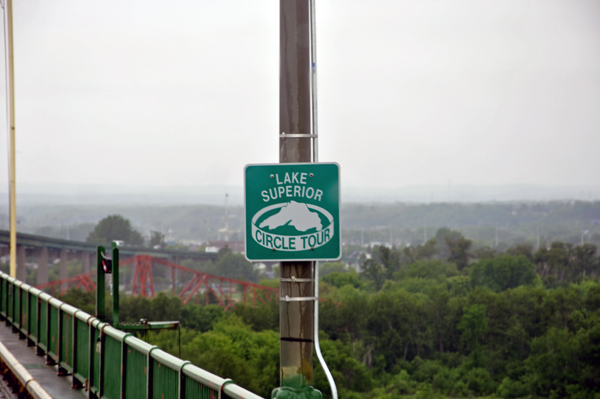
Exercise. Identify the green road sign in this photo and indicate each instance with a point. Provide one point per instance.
(293, 212)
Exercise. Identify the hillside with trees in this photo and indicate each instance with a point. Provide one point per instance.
(496, 224)
(436, 320)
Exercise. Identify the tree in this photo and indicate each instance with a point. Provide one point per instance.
(554, 261)
(165, 308)
(442, 236)
(332, 267)
(503, 272)
(389, 258)
(553, 364)
(391, 320)
(585, 261)
(426, 251)
(374, 272)
(234, 266)
(346, 314)
(459, 251)
(157, 239)
(474, 325)
(115, 227)
(521, 249)
(453, 246)
(341, 279)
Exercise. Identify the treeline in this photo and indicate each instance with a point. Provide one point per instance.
(461, 338)
(499, 224)
(430, 321)
(405, 215)
(443, 319)
(511, 222)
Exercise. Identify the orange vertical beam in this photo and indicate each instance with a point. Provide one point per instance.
(150, 277)
(206, 289)
(174, 273)
(143, 278)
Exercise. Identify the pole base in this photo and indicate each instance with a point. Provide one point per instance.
(305, 392)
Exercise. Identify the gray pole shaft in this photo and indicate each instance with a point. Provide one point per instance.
(296, 317)
(10, 66)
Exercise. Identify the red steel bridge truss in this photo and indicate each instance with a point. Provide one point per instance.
(221, 290)
(83, 280)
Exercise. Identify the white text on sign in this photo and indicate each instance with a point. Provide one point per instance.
(292, 191)
(287, 243)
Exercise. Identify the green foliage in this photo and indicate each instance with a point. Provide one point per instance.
(345, 316)
(375, 273)
(474, 325)
(553, 361)
(400, 384)
(562, 263)
(260, 318)
(232, 349)
(332, 267)
(166, 307)
(157, 239)
(273, 283)
(393, 320)
(349, 372)
(444, 236)
(412, 285)
(418, 327)
(459, 251)
(161, 308)
(511, 389)
(81, 299)
(341, 279)
(459, 285)
(228, 264)
(427, 251)
(502, 273)
(521, 249)
(73, 269)
(115, 227)
(234, 266)
(134, 308)
(477, 381)
(437, 270)
(484, 253)
(201, 318)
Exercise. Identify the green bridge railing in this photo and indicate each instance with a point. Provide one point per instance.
(107, 362)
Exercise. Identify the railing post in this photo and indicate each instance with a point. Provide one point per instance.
(115, 283)
(124, 364)
(102, 354)
(61, 336)
(38, 350)
(100, 314)
(49, 360)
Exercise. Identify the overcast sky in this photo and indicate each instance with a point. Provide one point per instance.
(410, 92)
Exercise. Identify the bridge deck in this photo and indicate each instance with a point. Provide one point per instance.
(57, 387)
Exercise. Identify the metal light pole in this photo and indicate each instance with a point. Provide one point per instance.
(296, 315)
(10, 80)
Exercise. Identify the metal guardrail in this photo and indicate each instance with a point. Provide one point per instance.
(104, 360)
(19, 378)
